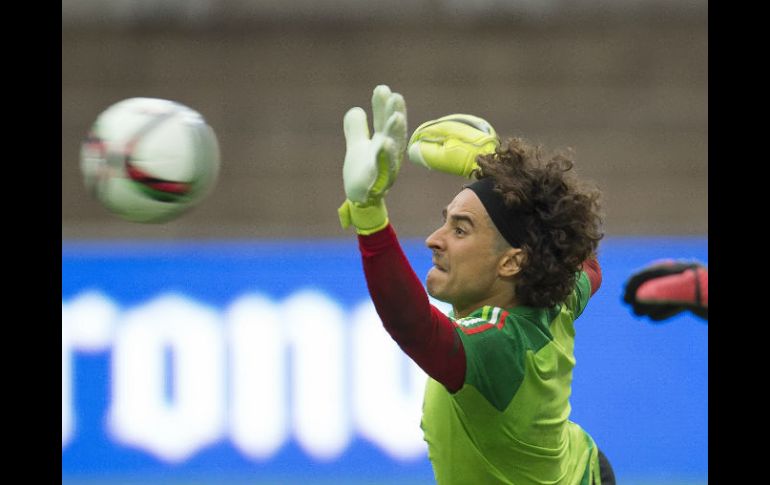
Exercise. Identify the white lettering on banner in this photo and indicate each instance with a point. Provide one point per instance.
(141, 415)
(87, 324)
(258, 405)
(92, 320)
(257, 373)
(386, 409)
(321, 420)
(67, 415)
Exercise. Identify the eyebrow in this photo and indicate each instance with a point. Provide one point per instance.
(458, 218)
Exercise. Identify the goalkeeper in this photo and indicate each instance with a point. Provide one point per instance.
(515, 258)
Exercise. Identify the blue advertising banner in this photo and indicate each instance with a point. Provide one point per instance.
(265, 361)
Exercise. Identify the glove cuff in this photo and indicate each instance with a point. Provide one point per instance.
(366, 218)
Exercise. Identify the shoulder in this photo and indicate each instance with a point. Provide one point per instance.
(497, 343)
(578, 299)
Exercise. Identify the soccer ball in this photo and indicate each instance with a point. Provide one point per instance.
(149, 160)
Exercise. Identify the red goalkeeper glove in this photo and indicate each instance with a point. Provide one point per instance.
(667, 288)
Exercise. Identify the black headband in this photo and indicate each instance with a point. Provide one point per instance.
(510, 223)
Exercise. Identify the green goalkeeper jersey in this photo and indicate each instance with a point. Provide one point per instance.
(509, 423)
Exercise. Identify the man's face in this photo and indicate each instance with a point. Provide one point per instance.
(465, 256)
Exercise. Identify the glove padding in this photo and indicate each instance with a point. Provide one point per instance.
(664, 289)
(452, 143)
(372, 164)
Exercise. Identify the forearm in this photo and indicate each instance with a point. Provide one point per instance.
(421, 330)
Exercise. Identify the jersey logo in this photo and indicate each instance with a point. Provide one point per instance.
(491, 317)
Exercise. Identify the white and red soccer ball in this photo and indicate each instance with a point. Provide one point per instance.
(149, 159)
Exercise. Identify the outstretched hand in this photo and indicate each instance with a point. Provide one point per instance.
(666, 288)
(452, 143)
(372, 163)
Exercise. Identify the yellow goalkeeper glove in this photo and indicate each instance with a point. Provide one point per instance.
(451, 143)
(372, 164)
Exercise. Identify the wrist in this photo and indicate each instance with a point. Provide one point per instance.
(366, 218)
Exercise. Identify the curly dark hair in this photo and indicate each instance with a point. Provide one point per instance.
(563, 217)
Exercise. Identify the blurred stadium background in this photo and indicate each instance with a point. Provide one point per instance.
(623, 83)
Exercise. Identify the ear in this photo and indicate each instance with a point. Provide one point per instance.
(510, 262)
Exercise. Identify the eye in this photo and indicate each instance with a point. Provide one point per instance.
(459, 231)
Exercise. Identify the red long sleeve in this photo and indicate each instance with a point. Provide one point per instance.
(425, 334)
(594, 271)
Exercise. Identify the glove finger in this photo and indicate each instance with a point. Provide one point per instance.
(674, 288)
(637, 279)
(466, 128)
(472, 121)
(395, 153)
(657, 270)
(386, 173)
(661, 269)
(420, 132)
(657, 312)
(395, 126)
(395, 130)
(642, 309)
(451, 156)
(662, 317)
(426, 152)
(665, 313)
(355, 126)
(380, 97)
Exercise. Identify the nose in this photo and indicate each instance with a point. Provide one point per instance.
(435, 241)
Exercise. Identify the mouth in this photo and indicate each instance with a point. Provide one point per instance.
(438, 266)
